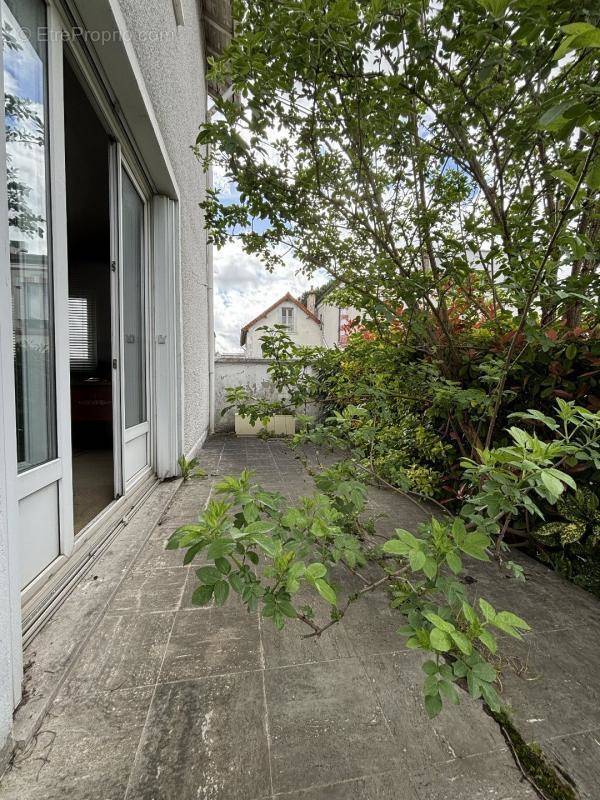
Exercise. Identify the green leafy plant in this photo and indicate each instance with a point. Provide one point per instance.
(581, 518)
(300, 544)
(190, 468)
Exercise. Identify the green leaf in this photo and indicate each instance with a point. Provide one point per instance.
(223, 565)
(433, 705)
(496, 8)
(220, 548)
(589, 38)
(488, 610)
(461, 641)
(430, 568)
(221, 591)
(316, 570)
(460, 669)
(490, 696)
(454, 562)
(429, 667)
(575, 28)
(484, 672)
(565, 177)
(202, 595)
(193, 552)
(488, 639)
(507, 621)
(593, 176)
(475, 545)
(396, 548)
(260, 527)
(440, 623)
(440, 640)
(184, 536)
(469, 613)
(325, 590)
(236, 582)
(555, 116)
(287, 608)
(417, 559)
(270, 546)
(208, 575)
(552, 484)
(448, 690)
(563, 477)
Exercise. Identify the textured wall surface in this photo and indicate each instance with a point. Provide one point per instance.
(171, 61)
(330, 319)
(306, 330)
(251, 373)
(240, 371)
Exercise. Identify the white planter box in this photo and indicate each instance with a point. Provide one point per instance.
(278, 424)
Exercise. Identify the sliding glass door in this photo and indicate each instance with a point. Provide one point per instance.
(27, 130)
(130, 297)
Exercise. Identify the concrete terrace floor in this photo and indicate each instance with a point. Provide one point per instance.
(168, 701)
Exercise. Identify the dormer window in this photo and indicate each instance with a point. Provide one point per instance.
(287, 317)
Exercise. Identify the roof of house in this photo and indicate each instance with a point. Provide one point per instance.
(287, 298)
(217, 21)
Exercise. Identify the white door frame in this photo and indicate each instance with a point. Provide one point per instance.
(10, 586)
(167, 335)
(58, 470)
(129, 435)
(115, 313)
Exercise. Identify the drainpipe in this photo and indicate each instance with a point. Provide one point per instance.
(210, 323)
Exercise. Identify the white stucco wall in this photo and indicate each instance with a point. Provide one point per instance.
(238, 370)
(172, 64)
(330, 319)
(306, 330)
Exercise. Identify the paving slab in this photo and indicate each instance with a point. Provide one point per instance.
(578, 755)
(325, 725)
(204, 739)
(83, 751)
(125, 651)
(458, 732)
(212, 641)
(558, 691)
(146, 590)
(389, 786)
(487, 777)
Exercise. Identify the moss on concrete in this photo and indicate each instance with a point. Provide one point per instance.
(544, 776)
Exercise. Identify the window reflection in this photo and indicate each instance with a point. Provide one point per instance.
(25, 87)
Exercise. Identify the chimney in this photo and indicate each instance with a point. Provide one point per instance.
(311, 301)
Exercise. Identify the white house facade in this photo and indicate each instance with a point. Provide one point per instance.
(316, 324)
(302, 325)
(336, 323)
(106, 329)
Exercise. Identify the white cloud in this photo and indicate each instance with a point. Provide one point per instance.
(243, 288)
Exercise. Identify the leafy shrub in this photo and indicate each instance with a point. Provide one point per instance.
(301, 543)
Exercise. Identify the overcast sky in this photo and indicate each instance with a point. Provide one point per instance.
(242, 286)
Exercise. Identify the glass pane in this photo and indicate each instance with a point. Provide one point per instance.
(25, 87)
(134, 372)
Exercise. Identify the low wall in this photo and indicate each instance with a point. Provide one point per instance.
(251, 373)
